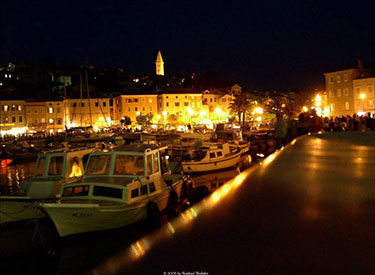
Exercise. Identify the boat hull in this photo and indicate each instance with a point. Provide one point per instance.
(15, 209)
(208, 166)
(73, 218)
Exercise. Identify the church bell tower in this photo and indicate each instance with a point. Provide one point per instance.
(159, 64)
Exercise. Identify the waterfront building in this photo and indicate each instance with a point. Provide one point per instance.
(341, 98)
(186, 106)
(55, 117)
(135, 105)
(159, 64)
(12, 117)
(217, 104)
(364, 95)
(86, 112)
(36, 116)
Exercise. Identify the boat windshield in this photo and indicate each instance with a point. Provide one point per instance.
(39, 169)
(56, 165)
(98, 165)
(129, 165)
(199, 155)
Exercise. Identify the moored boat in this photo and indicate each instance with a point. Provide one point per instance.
(120, 187)
(52, 169)
(212, 157)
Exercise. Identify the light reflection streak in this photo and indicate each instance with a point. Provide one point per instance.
(139, 248)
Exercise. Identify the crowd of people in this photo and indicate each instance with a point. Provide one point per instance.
(287, 130)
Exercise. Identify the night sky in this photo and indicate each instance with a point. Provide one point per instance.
(261, 44)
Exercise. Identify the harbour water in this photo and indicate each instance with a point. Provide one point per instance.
(36, 248)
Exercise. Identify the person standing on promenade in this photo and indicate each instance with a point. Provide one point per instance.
(281, 129)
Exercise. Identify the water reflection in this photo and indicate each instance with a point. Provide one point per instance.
(13, 173)
(105, 243)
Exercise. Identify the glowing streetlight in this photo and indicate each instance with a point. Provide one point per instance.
(191, 111)
(164, 113)
(283, 105)
(203, 113)
(305, 109)
(158, 117)
(259, 118)
(362, 96)
(218, 111)
(258, 110)
(138, 113)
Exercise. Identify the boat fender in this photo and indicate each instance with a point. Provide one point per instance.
(153, 214)
(173, 198)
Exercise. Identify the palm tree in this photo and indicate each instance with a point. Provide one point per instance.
(240, 105)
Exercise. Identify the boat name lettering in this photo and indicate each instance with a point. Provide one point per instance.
(82, 215)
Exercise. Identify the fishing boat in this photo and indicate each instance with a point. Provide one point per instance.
(120, 187)
(211, 157)
(52, 169)
(234, 137)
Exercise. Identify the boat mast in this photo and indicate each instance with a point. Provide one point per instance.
(80, 95)
(65, 104)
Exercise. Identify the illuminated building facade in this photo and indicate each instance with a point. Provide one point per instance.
(12, 117)
(341, 97)
(186, 106)
(134, 105)
(55, 116)
(217, 105)
(88, 112)
(364, 95)
(36, 116)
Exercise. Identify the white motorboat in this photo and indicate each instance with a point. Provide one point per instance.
(120, 187)
(211, 157)
(51, 170)
(234, 138)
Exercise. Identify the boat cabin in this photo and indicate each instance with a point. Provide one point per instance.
(125, 173)
(54, 166)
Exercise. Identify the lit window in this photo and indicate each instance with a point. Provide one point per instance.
(150, 100)
(50, 121)
(346, 105)
(6, 119)
(19, 108)
(50, 110)
(13, 107)
(6, 108)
